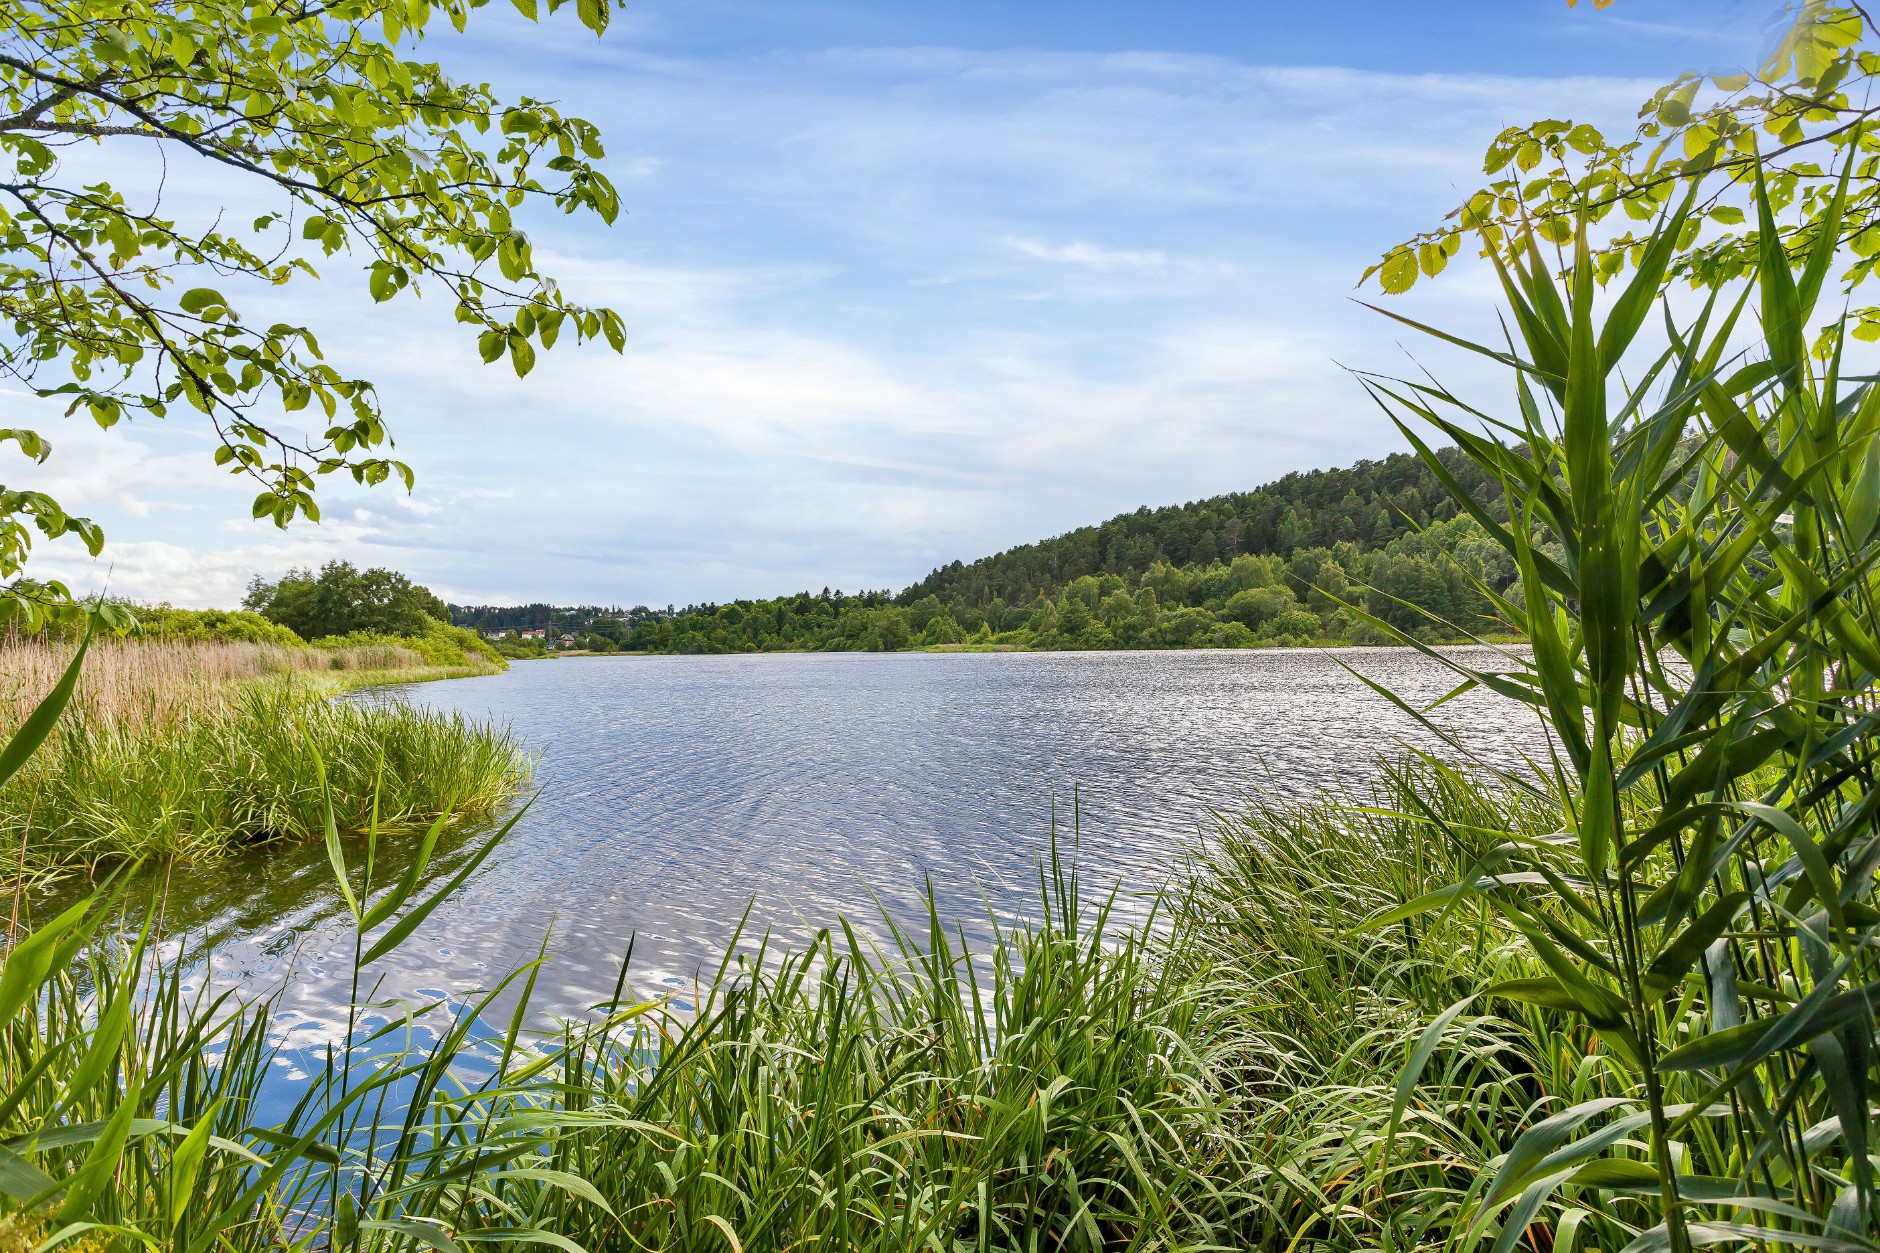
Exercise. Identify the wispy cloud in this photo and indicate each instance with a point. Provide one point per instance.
(1091, 256)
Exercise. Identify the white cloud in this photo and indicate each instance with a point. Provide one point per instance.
(1091, 256)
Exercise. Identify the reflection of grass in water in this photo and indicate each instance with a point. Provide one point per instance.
(195, 751)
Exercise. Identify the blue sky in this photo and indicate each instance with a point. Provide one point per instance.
(909, 283)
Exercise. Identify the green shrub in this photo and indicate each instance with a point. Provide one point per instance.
(1258, 606)
(1294, 626)
(440, 645)
(191, 626)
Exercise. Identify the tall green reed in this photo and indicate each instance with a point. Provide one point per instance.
(1704, 654)
(237, 768)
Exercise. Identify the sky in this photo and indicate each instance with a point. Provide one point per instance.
(903, 284)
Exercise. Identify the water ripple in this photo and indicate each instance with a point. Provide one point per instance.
(678, 791)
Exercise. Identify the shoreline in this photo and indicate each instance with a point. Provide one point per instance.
(1328, 646)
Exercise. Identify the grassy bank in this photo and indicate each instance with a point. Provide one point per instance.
(196, 750)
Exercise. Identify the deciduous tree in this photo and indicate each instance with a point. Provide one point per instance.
(366, 154)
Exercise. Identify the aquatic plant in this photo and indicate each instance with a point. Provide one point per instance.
(1703, 652)
(197, 751)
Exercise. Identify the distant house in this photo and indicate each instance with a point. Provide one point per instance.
(497, 635)
(538, 633)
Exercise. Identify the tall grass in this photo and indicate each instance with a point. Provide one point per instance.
(195, 751)
(1704, 651)
(1055, 1093)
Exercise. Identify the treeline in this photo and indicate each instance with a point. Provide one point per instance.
(1429, 583)
(1310, 558)
(562, 619)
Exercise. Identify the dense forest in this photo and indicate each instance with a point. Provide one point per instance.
(1304, 559)
(1368, 505)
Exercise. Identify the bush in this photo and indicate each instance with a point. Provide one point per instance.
(942, 629)
(1258, 606)
(193, 626)
(1295, 626)
(440, 645)
(1181, 628)
(1234, 635)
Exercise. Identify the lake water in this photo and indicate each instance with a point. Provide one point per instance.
(676, 792)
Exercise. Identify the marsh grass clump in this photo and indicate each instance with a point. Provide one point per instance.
(1311, 1012)
(1054, 1092)
(197, 750)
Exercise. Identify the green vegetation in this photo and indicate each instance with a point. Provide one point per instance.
(197, 750)
(1623, 999)
(1365, 508)
(1433, 583)
(342, 608)
(171, 625)
(357, 148)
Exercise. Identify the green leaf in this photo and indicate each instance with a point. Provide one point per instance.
(94, 1175)
(401, 891)
(1534, 1144)
(396, 934)
(521, 355)
(430, 1235)
(197, 299)
(39, 723)
(335, 855)
(33, 958)
(1781, 302)
(570, 1183)
(21, 1180)
(523, 1235)
(1670, 967)
(1412, 1071)
(186, 1161)
(1617, 1172)
(1399, 272)
(1751, 1042)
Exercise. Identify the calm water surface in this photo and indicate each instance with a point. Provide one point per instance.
(677, 791)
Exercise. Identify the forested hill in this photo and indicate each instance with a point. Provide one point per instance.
(1368, 504)
(1318, 557)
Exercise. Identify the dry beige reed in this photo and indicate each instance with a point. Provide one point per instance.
(144, 683)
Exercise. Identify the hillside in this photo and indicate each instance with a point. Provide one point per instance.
(1303, 559)
(1368, 504)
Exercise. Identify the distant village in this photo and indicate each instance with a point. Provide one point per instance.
(548, 637)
